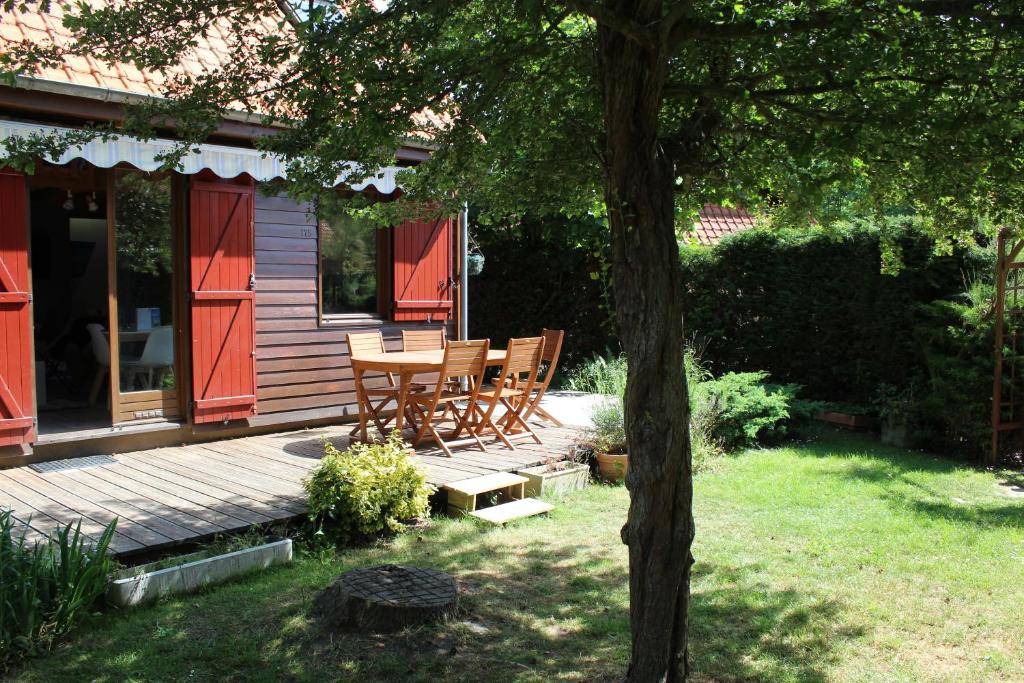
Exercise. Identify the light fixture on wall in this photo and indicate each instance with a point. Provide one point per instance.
(93, 205)
(69, 203)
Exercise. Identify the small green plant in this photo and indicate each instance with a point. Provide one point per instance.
(45, 587)
(366, 490)
(747, 410)
(608, 434)
(605, 375)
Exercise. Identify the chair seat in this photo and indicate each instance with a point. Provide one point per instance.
(489, 392)
(445, 397)
(393, 391)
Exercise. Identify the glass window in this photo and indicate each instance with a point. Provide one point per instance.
(145, 284)
(348, 266)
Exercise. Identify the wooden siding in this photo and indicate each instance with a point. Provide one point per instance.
(302, 366)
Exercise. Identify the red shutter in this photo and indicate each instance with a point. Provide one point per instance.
(17, 423)
(223, 266)
(423, 270)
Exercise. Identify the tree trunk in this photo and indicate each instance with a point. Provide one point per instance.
(645, 266)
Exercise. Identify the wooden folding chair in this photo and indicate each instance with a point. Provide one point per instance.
(462, 359)
(373, 342)
(512, 390)
(423, 340)
(552, 350)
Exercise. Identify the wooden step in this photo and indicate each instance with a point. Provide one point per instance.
(517, 509)
(488, 482)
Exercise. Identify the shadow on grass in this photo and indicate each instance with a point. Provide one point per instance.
(898, 472)
(536, 604)
(742, 629)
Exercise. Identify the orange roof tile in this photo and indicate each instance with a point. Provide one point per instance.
(716, 222)
(31, 24)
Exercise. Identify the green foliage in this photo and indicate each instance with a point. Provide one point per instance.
(366, 490)
(734, 411)
(608, 434)
(813, 308)
(143, 218)
(605, 375)
(952, 401)
(46, 587)
(560, 274)
(748, 410)
(348, 248)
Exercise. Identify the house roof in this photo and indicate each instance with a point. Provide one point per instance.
(715, 222)
(31, 24)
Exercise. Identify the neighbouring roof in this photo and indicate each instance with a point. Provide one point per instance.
(716, 222)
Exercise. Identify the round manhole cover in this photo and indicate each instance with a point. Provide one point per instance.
(387, 598)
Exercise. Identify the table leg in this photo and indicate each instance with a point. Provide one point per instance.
(357, 374)
(405, 379)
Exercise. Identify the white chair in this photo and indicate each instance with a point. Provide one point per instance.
(157, 357)
(101, 352)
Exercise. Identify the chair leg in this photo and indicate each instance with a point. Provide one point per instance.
(545, 415)
(514, 417)
(97, 383)
(484, 422)
(462, 422)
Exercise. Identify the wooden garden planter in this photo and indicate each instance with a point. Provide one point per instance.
(543, 480)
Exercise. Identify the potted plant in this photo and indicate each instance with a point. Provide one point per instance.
(474, 258)
(607, 440)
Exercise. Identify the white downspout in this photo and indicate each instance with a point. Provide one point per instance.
(463, 274)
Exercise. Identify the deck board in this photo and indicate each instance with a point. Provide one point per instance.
(167, 496)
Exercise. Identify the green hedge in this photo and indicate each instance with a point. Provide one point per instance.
(538, 274)
(816, 310)
(812, 308)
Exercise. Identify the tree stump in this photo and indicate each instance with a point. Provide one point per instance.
(386, 598)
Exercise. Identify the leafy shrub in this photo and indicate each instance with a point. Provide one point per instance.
(366, 490)
(745, 409)
(45, 587)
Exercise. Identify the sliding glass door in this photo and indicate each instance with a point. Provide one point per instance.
(144, 376)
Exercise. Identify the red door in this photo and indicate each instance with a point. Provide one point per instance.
(223, 267)
(17, 423)
(423, 270)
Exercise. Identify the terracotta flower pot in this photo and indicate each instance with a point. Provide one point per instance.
(613, 466)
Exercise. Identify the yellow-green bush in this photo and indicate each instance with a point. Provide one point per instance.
(366, 490)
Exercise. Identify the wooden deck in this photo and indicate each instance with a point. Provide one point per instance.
(168, 496)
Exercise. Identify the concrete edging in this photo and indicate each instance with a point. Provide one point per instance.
(135, 590)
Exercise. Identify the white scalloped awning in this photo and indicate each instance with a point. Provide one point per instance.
(224, 161)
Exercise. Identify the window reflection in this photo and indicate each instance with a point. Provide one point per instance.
(143, 234)
(348, 265)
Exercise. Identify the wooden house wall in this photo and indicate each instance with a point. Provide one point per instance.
(302, 366)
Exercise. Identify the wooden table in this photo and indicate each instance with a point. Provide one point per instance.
(405, 364)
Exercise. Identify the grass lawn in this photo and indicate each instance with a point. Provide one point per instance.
(836, 559)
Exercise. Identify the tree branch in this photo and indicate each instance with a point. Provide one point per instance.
(682, 29)
(638, 33)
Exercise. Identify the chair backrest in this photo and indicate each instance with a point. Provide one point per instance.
(365, 342)
(100, 344)
(466, 359)
(423, 340)
(523, 356)
(552, 350)
(159, 349)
